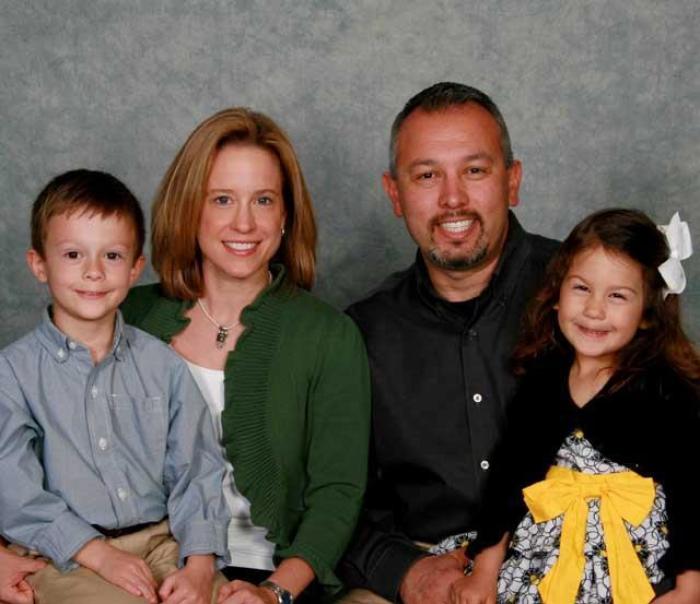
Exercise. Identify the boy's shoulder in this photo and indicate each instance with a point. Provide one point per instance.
(25, 346)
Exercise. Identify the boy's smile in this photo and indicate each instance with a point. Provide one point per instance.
(89, 266)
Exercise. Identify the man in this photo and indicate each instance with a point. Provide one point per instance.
(439, 337)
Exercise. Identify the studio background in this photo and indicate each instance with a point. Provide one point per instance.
(601, 97)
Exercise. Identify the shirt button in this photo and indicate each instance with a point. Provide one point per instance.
(72, 345)
(94, 391)
(61, 353)
(477, 398)
(122, 494)
(485, 465)
(102, 443)
(472, 333)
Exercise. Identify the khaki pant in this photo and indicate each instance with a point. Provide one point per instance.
(362, 596)
(154, 544)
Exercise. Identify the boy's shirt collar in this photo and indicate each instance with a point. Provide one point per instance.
(62, 347)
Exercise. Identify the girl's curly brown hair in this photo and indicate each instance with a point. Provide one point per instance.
(660, 338)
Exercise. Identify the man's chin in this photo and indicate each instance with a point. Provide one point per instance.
(453, 262)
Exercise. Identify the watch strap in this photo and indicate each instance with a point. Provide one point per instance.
(283, 596)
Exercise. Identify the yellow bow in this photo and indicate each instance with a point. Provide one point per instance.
(623, 495)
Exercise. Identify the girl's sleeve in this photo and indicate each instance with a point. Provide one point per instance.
(680, 451)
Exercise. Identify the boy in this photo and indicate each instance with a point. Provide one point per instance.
(103, 432)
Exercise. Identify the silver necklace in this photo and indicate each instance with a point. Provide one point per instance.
(222, 330)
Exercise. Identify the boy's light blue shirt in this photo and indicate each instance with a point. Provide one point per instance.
(124, 442)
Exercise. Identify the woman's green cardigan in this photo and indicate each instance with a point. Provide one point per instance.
(296, 415)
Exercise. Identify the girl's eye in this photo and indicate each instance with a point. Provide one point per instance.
(72, 255)
(113, 256)
(618, 296)
(580, 287)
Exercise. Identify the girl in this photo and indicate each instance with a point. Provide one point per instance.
(605, 429)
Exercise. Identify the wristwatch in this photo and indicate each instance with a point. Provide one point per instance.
(283, 596)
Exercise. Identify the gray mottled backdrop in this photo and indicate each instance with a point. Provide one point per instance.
(602, 99)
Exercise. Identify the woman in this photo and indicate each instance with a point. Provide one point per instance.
(233, 238)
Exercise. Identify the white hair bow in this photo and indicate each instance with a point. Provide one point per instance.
(678, 237)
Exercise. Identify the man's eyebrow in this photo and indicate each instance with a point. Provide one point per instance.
(467, 158)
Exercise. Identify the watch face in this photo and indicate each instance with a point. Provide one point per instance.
(285, 598)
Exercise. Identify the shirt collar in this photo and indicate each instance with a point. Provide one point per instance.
(61, 346)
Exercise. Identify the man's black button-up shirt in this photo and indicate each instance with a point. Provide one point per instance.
(440, 385)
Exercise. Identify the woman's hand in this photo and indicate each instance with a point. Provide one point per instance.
(192, 584)
(687, 590)
(241, 592)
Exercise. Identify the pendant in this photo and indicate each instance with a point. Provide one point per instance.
(221, 337)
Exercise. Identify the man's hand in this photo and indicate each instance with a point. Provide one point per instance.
(120, 568)
(190, 585)
(13, 571)
(477, 588)
(428, 581)
(241, 592)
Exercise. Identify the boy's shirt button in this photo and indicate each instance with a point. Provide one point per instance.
(122, 494)
(102, 443)
(94, 391)
(61, 353)
(72, 345)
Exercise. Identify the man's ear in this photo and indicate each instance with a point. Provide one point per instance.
(392, 192)
(137, 269)
(37, 265)
(515, 177)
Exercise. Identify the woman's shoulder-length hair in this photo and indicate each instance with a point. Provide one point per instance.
(178, 203)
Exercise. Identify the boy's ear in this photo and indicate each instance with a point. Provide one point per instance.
(37, 265)
(137, 269)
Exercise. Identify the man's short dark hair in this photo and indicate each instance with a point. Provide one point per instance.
(444, 95)
(85, 191)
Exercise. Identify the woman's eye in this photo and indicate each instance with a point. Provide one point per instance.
(222, 200)
(264, 200)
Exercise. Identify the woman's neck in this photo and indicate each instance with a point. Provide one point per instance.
(226, 298)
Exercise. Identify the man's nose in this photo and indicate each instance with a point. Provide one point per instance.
(454, 193)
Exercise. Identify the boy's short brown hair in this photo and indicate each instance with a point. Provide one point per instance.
(89, 191)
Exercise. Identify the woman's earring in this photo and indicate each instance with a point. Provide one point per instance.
(283, 231)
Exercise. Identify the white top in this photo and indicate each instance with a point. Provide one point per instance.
(247, 544)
